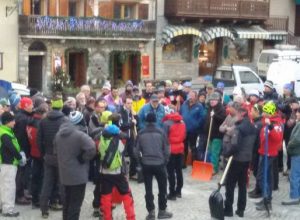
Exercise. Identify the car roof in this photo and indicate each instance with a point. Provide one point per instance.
(229, 68)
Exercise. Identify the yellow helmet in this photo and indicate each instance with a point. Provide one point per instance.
(269, 108)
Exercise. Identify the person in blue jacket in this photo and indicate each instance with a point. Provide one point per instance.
(155, 107)
(193, 116)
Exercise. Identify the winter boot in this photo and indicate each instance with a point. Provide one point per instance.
(163, 214)
(254, 194)
(151, 215)
(106, 204)
(128, 206)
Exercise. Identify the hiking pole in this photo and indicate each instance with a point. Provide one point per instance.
(265, 191)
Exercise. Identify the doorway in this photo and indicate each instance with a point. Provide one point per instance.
(126, 66)
(35, 76)
(77, 68)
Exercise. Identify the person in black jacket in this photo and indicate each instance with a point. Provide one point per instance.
(10, 157)
(242, 143)
(217, 113)
(47, 130)
(127, 123)
(23, 117)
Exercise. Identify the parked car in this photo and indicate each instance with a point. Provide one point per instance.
(237, 76)
(6, 87)
(285, 71)
(281, 52)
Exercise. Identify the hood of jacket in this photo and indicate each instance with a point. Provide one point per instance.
(173, 117)
(66, 129)
(55, 114)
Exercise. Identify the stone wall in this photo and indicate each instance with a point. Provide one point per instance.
(98, 56)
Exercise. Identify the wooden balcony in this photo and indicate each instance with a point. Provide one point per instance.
(85, 27)
(218, 9)
(277, 24)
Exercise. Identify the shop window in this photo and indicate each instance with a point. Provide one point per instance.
(125, 11)
(248, 77)
(238, 51)
(179, 49)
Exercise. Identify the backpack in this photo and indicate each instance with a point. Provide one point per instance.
(109, 154)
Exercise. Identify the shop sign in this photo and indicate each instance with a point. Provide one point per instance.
(145, 66)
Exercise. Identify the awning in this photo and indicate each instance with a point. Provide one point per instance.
(211, 33)
(257, 32)
(172, 31)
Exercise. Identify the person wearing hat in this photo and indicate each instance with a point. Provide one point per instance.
(193, 116)
(269, 91)
(35, 154)
(155, 107)
(5, 104)
(177, 97)
(273, 122)
(217, 113)
(128, 91)
(187, 87)
(112, 174)
(225, 99)
(137, 100)
(209, 89)
(153, 151)
(105, 90)
(47, 130)
(14, 99)
(113, 99)
(23, 117)
(74, 149)
(10, 157)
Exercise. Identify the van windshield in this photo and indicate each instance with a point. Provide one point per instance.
(225, 76)
(267, 57)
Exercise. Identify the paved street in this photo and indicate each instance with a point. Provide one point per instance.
(192, 206)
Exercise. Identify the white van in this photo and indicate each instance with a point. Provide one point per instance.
(237, 76)
(282, 52)
(285, 71)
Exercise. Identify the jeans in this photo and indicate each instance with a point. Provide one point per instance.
(174, 168)
(37, 179)
(266, 186)
(74, 196)
(51, 189)
(190, 142)
(238, 173)
(159, 172)
(295, 177)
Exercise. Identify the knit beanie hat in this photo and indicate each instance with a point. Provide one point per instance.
(220, 85)
(254, 92)
(24, 102)
(151, 117)
(112, 129)
(75, 117)
(269, 84)
(107, 85)
(128, 83)
(214, 96)
(7, 117)
(4, 102)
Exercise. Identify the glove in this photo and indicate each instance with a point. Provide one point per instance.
(212, 113)
(23, 161)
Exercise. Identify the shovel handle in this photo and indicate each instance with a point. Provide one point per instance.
(208, 138)
(226, 171)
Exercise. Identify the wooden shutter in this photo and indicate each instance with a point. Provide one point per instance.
(52, 7)
(143, 11)
(88, 9)
(63, 7)
(297, 21)
(106, 10)
(26, 7)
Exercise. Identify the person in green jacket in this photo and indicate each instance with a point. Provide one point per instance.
(293, 150)
(10, 157)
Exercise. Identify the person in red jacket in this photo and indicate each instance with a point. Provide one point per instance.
(175, 130)
(37, 160)
(273, 122)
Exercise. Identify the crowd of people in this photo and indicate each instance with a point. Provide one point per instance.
(50, 149)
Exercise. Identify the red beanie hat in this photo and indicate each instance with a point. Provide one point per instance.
(25, 102)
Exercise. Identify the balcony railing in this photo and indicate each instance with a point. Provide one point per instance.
(277, 23)
(223, 9)
(85, 27)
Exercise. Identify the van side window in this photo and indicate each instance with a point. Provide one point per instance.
(227, 77)
(248, 77)
(267, 58)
